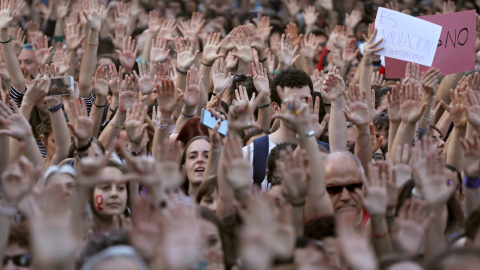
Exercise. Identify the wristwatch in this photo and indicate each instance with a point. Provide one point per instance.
(306, 135)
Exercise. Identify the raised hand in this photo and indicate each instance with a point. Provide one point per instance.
(377, 80)
(429, 82)
(472, 107)
(93, 15)
(376, 198)
(145, 81)
(260, 78)
(13, 124)
(471, 156)
(221, 79)
(82, 125)
(19, 41)
(309, 45)
(333, 85)
(62, 9)
(37, 90)
(355, 247)
(393, 101)
(293, 7)
(449, 7)
(185, 55)
(126, 100)
(211, 48)
(402, 166)
(263, 28)
(73, 36)
(352, 19)
(100, 83)
(410, 108)
(191, 96)
(167, 29)
(293, 168)
(128, 54)
(166, 97)
(370, 48)
(287, 55)
(18, 178)
(134, 123)
(243, 51)
(113, 79)
(191, 28)
(310, 15)
(412, 74)
(456, 109)
(240, 115)
(6, 14)
(317, 126)
(297, 116)
(410, 226)
(159, 52)
(238, 170)
(121, 16)
(356, 101)
(182, 237)
(350, 51)
(119, 37)
(428, 173)
(43, 53)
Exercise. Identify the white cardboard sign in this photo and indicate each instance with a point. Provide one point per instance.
(406, 38)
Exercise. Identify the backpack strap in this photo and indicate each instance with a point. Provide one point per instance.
(260, 156)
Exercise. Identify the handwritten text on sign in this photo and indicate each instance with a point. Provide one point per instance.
(455, 48)
(405, 37)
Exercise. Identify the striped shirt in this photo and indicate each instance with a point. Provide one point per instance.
(17, 97)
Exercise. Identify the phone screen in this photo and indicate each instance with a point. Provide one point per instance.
(59, 86)
(208, 120)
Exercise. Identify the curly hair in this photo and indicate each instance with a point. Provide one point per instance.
(291, 77)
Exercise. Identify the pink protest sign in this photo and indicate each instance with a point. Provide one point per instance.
(455, 50)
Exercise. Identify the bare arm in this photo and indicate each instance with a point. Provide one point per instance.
(89, 60)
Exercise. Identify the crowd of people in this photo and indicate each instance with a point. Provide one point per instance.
(218, 134)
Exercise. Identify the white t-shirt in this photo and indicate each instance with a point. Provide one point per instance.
(248, 148)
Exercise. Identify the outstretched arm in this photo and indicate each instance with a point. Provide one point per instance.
(8, 53)
(89, 60)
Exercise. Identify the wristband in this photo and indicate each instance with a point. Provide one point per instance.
(263, 60)
(381, 235)
(7, 41)
(327, 104)
(276, 72)
(113, 110)
(206, 64)
(189, 116)
(98, 106)
(55, 108)
(376, 63)
(84, 147)
(264, 105)
(181, 72)
(472, 183)
(308, 134)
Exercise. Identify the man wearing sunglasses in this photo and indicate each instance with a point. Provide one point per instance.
(344, 178)
(17, 254)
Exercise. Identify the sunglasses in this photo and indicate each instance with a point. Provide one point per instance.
(22, 260)
(337, 189)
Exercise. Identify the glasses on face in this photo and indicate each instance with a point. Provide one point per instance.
(22, 260)
(337, 189)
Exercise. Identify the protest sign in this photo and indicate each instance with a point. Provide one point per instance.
(455, 48)
(405, 37)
